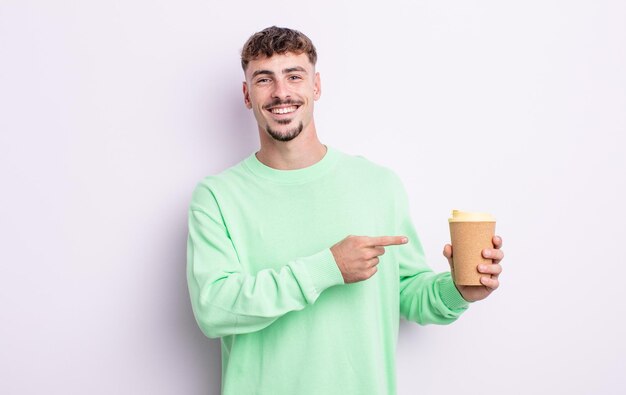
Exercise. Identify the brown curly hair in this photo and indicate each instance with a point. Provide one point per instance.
(277, 40)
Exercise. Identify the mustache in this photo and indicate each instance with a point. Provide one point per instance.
(278, 102)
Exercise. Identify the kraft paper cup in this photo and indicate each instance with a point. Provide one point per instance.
(471, 233)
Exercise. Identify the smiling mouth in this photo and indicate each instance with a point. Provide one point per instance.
(283, 110)
(283, 107)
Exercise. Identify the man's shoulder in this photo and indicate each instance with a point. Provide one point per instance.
(363, 165)
(233, 172)
(232, 177)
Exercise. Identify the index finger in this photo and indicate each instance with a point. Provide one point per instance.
(387, 240)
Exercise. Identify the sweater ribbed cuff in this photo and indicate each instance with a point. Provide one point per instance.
(323, 270)
(450, 295)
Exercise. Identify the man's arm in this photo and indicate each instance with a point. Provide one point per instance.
(425, 297)
(225, 299)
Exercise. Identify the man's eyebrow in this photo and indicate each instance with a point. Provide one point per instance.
(268, 72)
(285, 71)
(292, 69)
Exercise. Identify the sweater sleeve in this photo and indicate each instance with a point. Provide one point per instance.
(425, 297)
(225, 299)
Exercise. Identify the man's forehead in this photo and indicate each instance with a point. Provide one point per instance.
(278, 63)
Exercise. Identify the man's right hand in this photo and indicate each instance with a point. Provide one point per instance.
(357, 256)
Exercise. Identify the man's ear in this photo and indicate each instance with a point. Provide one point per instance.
(246, 96)
(317, 87)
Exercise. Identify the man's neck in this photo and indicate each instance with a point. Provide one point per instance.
(291, 155)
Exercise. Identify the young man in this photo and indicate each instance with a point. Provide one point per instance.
(302, 258)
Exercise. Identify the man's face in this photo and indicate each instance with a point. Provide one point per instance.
(281, 90)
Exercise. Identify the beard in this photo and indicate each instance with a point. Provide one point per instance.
(288, 135)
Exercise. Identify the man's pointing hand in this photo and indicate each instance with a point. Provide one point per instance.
(357, 256)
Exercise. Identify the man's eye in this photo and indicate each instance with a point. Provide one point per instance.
(263, 80)
(295, 77)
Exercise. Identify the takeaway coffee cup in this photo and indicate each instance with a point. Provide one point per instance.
(470, 233)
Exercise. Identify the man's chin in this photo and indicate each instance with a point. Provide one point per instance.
(284, 133)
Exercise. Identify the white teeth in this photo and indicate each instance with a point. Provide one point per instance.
(285, 110)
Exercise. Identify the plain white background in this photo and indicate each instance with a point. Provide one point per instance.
(112, 111)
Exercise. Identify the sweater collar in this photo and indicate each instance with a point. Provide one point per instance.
(297, 176)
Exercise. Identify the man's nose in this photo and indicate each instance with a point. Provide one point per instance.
(281, 90)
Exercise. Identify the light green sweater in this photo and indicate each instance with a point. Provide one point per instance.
(262, 277)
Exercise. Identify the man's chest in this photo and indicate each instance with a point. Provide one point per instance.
(286, 223)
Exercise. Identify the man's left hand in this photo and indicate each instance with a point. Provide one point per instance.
(490, 283)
